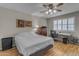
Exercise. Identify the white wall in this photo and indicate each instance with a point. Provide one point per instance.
(39, 21)
(8, 22)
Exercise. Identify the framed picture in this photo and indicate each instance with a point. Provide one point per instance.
(23, 23)
(28, 24)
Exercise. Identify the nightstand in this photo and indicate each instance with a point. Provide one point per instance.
(7, 43)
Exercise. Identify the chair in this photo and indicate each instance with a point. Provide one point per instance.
(53, 34)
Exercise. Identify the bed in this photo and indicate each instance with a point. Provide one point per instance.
(29, 43)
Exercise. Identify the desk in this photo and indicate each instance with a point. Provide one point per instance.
(64, 34)
(64, 37)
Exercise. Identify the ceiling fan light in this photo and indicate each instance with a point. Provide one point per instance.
(50, 10)
(46, 12)
(54, 11)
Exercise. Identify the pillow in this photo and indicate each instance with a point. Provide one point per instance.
(22, 33)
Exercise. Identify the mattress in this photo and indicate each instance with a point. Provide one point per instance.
(27, 43)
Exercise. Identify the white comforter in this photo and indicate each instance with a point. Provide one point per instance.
(28, 42)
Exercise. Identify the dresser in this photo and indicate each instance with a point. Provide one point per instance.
(42, 31)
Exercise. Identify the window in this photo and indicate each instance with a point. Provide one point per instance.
(59, 24)
(64, 24)
(55, 25)
(71, 24)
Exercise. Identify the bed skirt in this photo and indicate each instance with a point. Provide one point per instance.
(39, 53)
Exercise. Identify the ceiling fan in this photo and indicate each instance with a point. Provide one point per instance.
(51, 8)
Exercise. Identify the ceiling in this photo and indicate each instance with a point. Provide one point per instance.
(35, 8)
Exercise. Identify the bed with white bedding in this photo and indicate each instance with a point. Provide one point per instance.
(28, 43)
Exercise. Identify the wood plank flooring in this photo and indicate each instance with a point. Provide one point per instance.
(59, 49)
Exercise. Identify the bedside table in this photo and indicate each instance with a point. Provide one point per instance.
(7, 43)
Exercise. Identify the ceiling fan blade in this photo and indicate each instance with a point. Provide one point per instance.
(50, 6)
(59, 4)
(44, 5)
(58, 10)
(43, 11)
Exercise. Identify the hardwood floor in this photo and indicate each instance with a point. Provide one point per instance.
(59, 49)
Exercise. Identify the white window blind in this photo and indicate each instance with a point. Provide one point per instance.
(66, 24)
